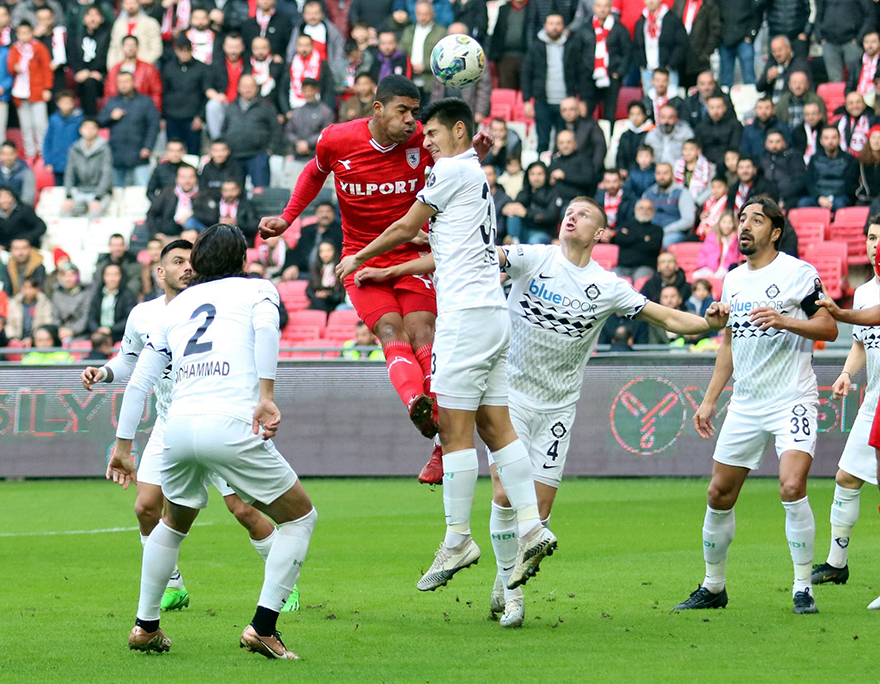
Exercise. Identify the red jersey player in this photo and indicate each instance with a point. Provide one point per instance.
(379, 165)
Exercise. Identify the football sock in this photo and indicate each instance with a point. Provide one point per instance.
(844, 515)
(502, 529)
(403, 370)
(160, 560)
(459, 482)
(546, 521)
(263, 546)
(176, 581)
(283, 566)
(800, 530)
(718, 530)
(515, 472)
(423, 356)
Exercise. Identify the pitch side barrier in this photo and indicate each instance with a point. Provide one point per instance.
(342, 418)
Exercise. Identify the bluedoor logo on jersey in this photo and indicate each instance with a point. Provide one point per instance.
(648, 416)
(540, 290)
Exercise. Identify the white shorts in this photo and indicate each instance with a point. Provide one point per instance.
(858, 457)
(743, 436)
(150, 467)
(196, 446)
(546, 436)
(469, 366)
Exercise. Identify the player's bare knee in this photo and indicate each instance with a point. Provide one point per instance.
(792, 488)
(720, 495)
(847, 481)
(148, 512)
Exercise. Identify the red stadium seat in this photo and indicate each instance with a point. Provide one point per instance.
(343, 318)
(500, 111)
(808, 233)
(518, 110)
(504, 96)
(639, 283)
(297, 333)
(14, 135)
(317, 342)
(831, 273)
(833, 94)
(627, 95)
(854, 237)
(43, 178)
(686, 254)
(79, 349)
(836, 250)
(317, 319)
(293, 294)
(717, 285)
(606, 255)
(852, 216)
(16, 344)
(812, 214)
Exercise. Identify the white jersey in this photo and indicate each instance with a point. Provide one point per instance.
(462, 235)
(865, 297)
(771, 367)
(142, 319)
(557, 311)
(208, 331)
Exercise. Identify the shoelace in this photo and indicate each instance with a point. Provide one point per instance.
(441, 555)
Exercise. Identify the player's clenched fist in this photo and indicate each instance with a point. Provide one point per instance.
(272, 226)
(703, 420)
(717, 314)
(91, 376)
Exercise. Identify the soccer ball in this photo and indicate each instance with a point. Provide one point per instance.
(458, 61)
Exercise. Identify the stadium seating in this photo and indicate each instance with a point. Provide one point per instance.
(293, 294)
(317, 319)
(717, 286)
(639, 283)
(686, 254)
(830, 260)
(833, 95)
(606, 255)
(812, 214)
(627, 94)
(808, 233)
(343, 318)
(854, 237)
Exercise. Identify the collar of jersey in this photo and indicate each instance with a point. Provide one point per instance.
(381, 148)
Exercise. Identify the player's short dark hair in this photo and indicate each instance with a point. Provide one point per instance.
(218, 252)
(25, 24)
(721, 178)
(827, 127)
(771, 211)
(449, 111)
(114, 236)
(32, 281)
(310, 82)
(765, 99)
(745, 157)
(235, 35)
(350, 46)
(175, 244)
(873, 220)
(396, 86)
(613, 171)
(91, 120)
(176, 141)
(589, 200)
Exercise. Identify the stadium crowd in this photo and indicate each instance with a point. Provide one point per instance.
(635, 102)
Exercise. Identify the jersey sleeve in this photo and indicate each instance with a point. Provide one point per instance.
(627, 302)
(267, 305)
(157, 340)
(858, 331)
(325, 153)
(522, 260)
(442, 185)
(122, 365)
(808, 288)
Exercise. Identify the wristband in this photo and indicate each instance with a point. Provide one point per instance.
(847, 372)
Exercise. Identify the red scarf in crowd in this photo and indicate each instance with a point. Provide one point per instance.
(263, 19)
(653, 21)
(741, 197)
(611, 206)
(301, 69)
(176, 18)
(600, 60)
(690, 13)
(714, 209)
(701, 176)
(866, 77)
(853, 133)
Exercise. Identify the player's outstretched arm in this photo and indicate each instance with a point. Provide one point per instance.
(398, 233)
(308, 185)
(421, 266)
(720, 377)
(855, 360)
(682, 322)
(865, 317)
(820, 326)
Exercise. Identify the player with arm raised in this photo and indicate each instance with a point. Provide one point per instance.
(768, 350)
(174, 273)
(470, 349)
(221, 335)
(379, 166)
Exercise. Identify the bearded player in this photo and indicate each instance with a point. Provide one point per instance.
(379, 166)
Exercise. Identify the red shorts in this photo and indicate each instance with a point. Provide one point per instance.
(874, 438)
(404, 295)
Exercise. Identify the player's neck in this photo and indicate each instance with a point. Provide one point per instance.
(579, 255)
(760, 260)
(170, 294)
(378, 135)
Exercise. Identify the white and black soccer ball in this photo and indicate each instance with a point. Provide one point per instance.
(458, 61)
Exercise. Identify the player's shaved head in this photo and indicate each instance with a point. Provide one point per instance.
(218, 253)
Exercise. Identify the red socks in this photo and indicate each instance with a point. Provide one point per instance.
(424, 354)
(404, 371)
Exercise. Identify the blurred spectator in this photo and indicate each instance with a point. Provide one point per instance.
(237, 210)
(641, 176)
(325, 291)
(111, 303)
(713, 207)
(509, 41)
(637, 128)
(660, 41)
(18, 220)
(147, 80)
(669, 296)
(617, 205)
(226, 71)
(389, 59)
(668, 136)
(606, 59)
(740, 22)
(589, 137)
(326, 229)
(774, 81)
(719, 132)
(640, 241)
(27, 311)
(499, 198)
(658, 95)
(102, 347)
(869, 169)
(271, 253)
(70, 303)
(862, 72)
(151, 287)
(54, 39)
(668, 273)
(442, 8)
(249, 126)
(255, 269)
(622, 340)
(183, 207)
(720, 250)
(355, 63)
(132, 21)
(731, 160)
(702, 22)
(26, 10)
(571, 173)
(755, 134)
(478, 96)
(268, 23)
(119, 255)
(30, 63)
(185, 82)
(550, 73)
(805, 137)
(374, 13)
(133, 121)
(220, 168)
(87, 56)
(62, 261)
(790, 107)
(327, 40)
(791, 19)
(5, 85)
(165, 173)
(513, 177)
(694, 172)
(832, 176)
(854, 123)
(363, 337)
(359, 105)
(701, 297)
(305, 124)
(417, 43)
(840, 27)
(266, 68)
(75, 14)
(88, 179)
(673, 205)
(696, 107)
(783, 168)
(62, 133)
(16, 175)
(24, 262)
(748, 184)
(505, 144)
(307, 63)
(474, 14)
(534, 216)
(205, 43)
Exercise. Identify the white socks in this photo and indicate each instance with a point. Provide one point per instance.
(263, 546)
(718, 530)
(285, 560)
(160, 561)
(844, 514)
(515, 472)
(176, 581)
(502, 528)
(459, 484)
(800, 530)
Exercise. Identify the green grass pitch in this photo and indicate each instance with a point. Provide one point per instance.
(598, 612)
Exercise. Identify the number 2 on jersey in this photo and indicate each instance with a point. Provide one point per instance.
(194, 346)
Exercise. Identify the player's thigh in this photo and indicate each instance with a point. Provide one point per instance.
(795, 427)
(291, 505)
(548, 449)
(741, 441)
(859, 458)
(794, 468)
(179, 517)
(373, 302)
(184, 478)
(418, 302)
(150, 465)
(726, 483)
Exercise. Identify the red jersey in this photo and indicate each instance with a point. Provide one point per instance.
(375, 185)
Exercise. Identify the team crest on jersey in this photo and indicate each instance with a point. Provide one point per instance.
(558, 430)
(592, 292)
(772, 291)
(413, 157)
(799, 410)
(431, 180)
